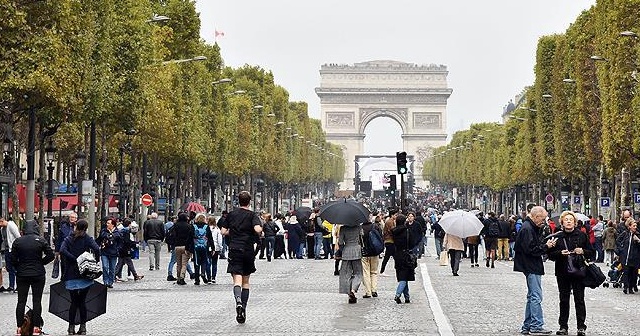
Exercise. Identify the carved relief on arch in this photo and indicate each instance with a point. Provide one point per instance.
(398, 114)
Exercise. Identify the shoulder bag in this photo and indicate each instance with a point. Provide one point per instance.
(88, 266)
(575, 263)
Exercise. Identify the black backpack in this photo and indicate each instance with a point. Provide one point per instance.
(170, 237)
(493, 229)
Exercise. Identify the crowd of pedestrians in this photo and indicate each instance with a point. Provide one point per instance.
(360, 253)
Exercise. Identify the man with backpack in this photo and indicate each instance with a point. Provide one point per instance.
(492, 231)
(373, 245)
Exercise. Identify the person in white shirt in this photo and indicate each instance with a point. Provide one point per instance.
(10, 232)
(217, 247)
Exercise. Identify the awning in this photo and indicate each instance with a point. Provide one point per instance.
(69, 201)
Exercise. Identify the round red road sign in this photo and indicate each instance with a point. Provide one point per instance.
(549, 198)
(146, 199)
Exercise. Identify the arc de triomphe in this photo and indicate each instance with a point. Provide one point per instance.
(415, 96)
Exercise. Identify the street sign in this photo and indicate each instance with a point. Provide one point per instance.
(605, 202)
(146, 200)
(549, 198)
(577, 200)
(636, 198)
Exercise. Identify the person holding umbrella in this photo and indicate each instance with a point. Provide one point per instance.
(454, 246)
(29, 255)
(349, 241)
(73, 246)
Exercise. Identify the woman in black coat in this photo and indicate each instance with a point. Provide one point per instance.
(73, 246)
(404, 241)
(628, 250)
(570, 242)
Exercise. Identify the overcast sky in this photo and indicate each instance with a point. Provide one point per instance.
(488, 46)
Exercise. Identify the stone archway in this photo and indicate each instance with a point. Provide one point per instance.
(415, 96)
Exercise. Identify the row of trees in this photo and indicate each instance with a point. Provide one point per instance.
(577, 120)
(108, 63)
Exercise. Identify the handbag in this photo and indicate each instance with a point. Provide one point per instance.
(409, 259)
(88, 266)
(594, 276)
(444, 258)
(576, 265)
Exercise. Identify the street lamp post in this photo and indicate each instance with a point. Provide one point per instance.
(80, 162)
(50, 152)
(170, 184)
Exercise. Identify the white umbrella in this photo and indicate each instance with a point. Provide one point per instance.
(461, 223)
(582, 217)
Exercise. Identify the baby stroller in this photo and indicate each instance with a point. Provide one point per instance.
(615, 275)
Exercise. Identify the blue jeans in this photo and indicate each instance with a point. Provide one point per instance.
(108, 269)
(172, 263)
(317, 237)
(270, 243)
(533, 317)
(10, 269)
(403, 288)
(438, 242)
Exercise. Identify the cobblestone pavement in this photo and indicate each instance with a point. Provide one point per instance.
(297, 297)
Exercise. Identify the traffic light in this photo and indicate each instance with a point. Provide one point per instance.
(392, 182)
(401, 161)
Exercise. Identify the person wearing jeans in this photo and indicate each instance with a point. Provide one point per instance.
(108, 240)
(529, 248)
(10, 233)
(153, 235)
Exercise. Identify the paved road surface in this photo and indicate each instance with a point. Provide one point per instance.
(299, 297)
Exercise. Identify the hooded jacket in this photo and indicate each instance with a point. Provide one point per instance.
(31, 252)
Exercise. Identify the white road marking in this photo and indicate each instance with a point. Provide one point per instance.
(444, 327)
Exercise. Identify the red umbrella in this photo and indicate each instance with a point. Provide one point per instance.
(193, 206)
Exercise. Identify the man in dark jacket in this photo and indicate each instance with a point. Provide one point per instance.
(64, 230)
(29, 255)
(529, 249)
(503, 238)
(153, 235)
(184, 246)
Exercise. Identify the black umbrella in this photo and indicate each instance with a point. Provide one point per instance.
(303, 213)
(345, 213)
(60, 301)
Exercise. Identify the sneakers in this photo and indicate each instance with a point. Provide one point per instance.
(213, 281)
(10, 290)
(241, 316)
(540, 332)
(397, 300)
(131, 277)
(374, 294)
(407, 301)
(477, 265)
(581, 332)
(171, 278)
(562, 331)
(138, 277)
(181, 282)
